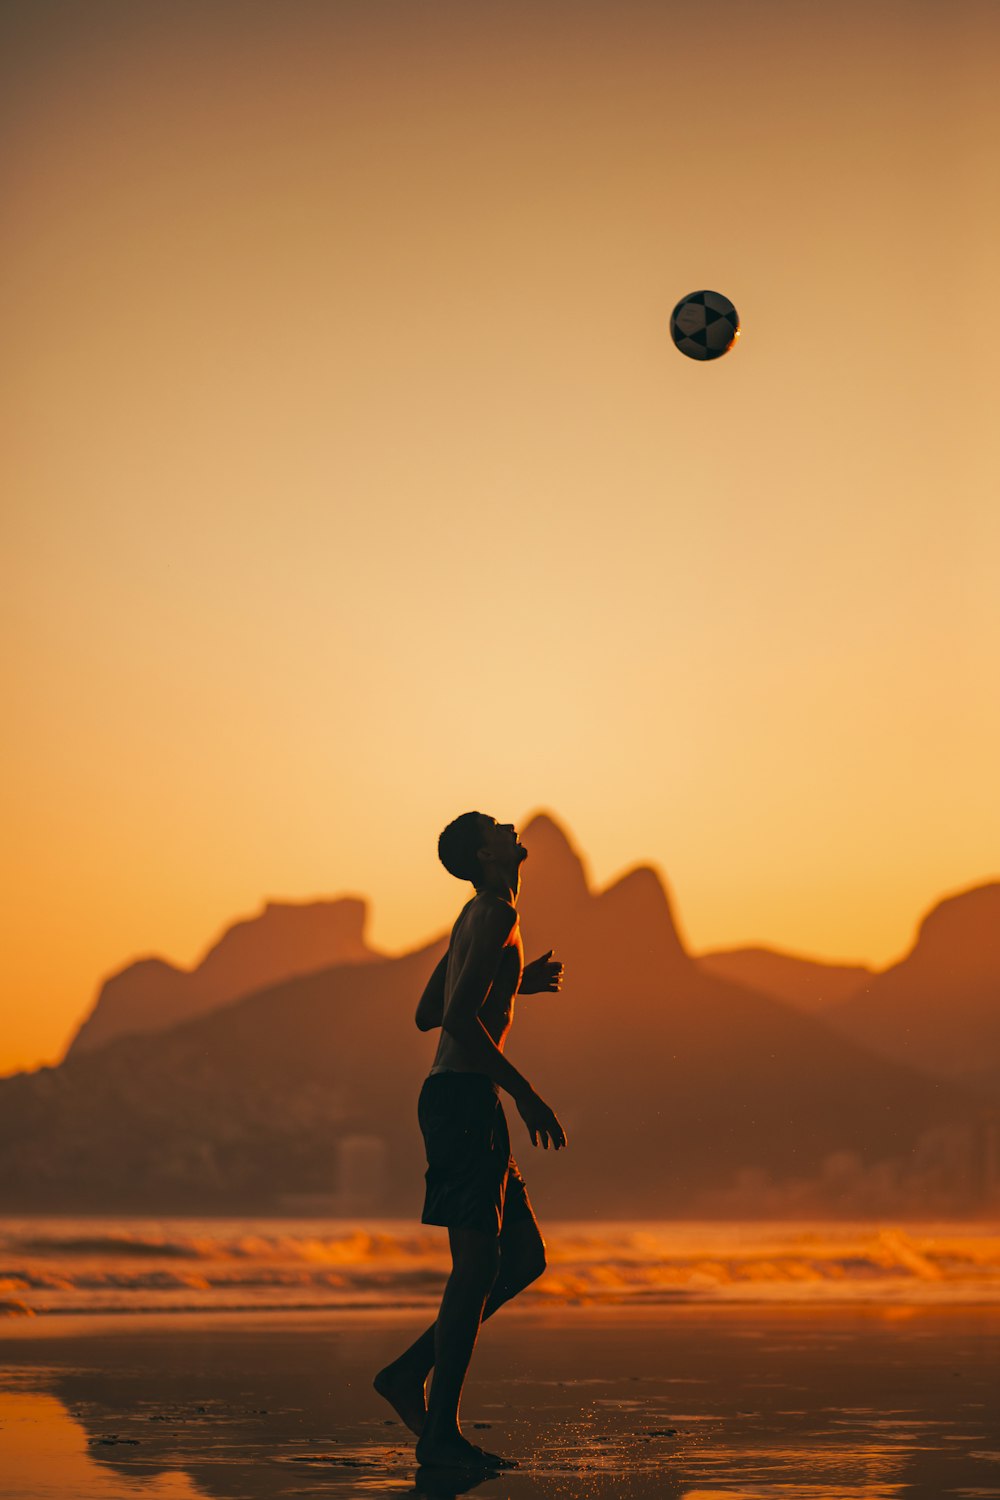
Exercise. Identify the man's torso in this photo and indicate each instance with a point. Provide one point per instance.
(497, 1010)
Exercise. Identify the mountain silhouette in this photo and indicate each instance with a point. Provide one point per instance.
(678, 1089)
(806, 983)
(557, 896)
(284, 939)
(939, 1008)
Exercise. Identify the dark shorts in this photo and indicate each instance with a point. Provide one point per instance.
(472, 1180)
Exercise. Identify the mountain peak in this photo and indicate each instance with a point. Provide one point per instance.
(284, 939)
(936, 1009)
(331, 925)
(639, 903)
(962, 930)
(552, 858)
(546, 824)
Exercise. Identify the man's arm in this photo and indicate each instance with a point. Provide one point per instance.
(430, 1007)
(487, 941)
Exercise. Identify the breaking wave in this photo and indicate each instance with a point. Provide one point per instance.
(138, 1265)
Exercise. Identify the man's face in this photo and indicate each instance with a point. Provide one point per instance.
(501, 842)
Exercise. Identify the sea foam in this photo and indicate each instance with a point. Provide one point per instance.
(130, 1265)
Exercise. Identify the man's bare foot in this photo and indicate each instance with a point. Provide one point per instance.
(456, 1452)
(404, 1391)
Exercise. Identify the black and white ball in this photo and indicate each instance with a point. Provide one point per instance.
(704, 325)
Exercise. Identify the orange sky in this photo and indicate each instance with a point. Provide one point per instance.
(350, 477)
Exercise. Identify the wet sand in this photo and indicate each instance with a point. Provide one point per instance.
(693, 1402)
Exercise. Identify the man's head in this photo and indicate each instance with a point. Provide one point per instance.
(475, 846)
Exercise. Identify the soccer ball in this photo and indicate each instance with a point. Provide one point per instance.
(704, 325)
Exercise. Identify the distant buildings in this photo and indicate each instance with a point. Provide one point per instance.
(361, 1173)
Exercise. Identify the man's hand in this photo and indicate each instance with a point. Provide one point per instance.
(540, 1120)
(542, 976)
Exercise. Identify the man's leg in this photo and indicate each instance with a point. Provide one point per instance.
(475, 1261)
(522, 1261)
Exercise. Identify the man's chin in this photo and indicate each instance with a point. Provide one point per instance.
(522, 853)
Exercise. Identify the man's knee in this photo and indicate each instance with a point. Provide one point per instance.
(525, 1262)
(535, 1264)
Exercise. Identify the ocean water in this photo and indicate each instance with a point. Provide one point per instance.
(101, 1265)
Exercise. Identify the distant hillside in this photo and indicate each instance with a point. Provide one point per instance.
(939, 1008)
(286, 938)
(806, 983)
(681, 1092)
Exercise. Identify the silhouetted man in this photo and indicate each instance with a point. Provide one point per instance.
(473, 1183)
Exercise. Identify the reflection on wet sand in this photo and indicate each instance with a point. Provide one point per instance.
(686, 1406)
(43, 1452)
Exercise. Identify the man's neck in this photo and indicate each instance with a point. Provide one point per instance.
(506, 886)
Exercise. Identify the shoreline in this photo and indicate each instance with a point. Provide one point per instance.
(556, 1314)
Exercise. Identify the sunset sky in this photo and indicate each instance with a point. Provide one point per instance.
(350, 478)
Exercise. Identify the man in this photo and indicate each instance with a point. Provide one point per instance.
(473, 1185)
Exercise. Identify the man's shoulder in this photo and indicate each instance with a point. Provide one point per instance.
(489, 901)
(492, 912)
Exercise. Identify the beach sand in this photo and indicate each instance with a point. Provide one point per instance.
(690, 1402)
